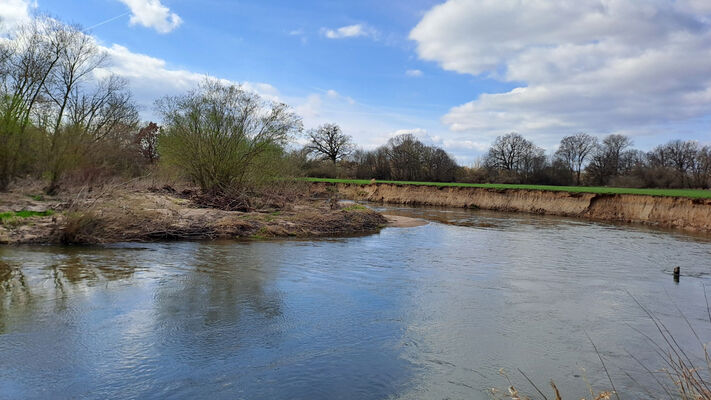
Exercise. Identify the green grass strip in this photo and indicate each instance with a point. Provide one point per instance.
(689, 193)
(24, 214)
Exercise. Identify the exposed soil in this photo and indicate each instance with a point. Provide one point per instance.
(136, 214)
(398, 221)
(670, 212)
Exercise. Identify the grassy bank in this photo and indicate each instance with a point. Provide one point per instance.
(688, 193)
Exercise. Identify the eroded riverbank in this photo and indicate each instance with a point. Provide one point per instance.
(693, 215)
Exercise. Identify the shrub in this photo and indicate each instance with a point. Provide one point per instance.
(223, 137)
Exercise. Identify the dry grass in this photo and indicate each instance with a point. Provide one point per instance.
(134, 211)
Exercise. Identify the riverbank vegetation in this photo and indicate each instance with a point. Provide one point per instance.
(77, 165)
(580, 160)
(70, 130)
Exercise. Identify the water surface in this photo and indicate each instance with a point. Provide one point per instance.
(430, 312)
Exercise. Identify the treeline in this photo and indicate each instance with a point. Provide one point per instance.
(580, 159)
(65, 120)
(56, 117)
(404, 158)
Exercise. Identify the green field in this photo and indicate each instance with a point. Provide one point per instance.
(690, 193)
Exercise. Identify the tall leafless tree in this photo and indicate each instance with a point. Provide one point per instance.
(607, 159)
(28, 58)
(513, 153)
(79, 57)
(329, 141)
(574, 152)
(682, 155)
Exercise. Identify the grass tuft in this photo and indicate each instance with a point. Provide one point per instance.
(355, 207)
(24, 214)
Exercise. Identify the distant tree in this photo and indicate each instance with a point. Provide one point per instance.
(678, 157)
(682, 155)
(406, 154)
(515, 154)
(330, 142)
(438, 165)
(701, 170)
(613, 148)
(574, 151)
(372, 164)
(147, 142)
(606, 160)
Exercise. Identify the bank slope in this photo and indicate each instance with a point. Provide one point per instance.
(680, 212)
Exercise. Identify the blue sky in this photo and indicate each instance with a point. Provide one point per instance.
(455, 73)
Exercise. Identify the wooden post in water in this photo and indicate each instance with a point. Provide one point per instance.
(677, 272)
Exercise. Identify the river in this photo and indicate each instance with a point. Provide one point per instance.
(428, 312)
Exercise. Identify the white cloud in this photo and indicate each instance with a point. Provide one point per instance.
(596, 65)
(419, 133)
(14, 12)
(415, 73)
(152, 14)
(349, 31)
(335, 95)
(150, 78)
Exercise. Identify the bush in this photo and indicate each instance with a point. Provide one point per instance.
(223, 137)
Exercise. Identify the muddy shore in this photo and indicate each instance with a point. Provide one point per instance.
(138, 215)
(692, 215)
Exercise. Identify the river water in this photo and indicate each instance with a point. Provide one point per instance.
(429, 312)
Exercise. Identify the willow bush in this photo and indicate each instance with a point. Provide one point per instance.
(223, 137)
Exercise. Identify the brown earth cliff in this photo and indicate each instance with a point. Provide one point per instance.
(669, 212)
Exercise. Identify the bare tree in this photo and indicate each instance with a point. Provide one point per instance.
(438, 165)
(682, 155)
(330, 142)
(405, 153)
(613, 147)
(79, 57)
(99, 112)
(574, 152)
(607, 159)
(372, 164)
(515, 154)
(701, 170)
(27, 60)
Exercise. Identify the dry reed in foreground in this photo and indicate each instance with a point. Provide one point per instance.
(680, 378)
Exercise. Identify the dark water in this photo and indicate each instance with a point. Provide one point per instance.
(429, 312)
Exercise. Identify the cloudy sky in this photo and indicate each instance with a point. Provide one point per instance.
(455, 73)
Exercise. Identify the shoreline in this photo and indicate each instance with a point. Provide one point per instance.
(140, 215)
(687, 214)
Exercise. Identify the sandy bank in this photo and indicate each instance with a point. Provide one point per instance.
(670, 212)
(140, 216)
(398, 221)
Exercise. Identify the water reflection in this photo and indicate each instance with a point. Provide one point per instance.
(426, 312)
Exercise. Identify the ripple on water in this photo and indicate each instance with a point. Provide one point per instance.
(426, 312)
